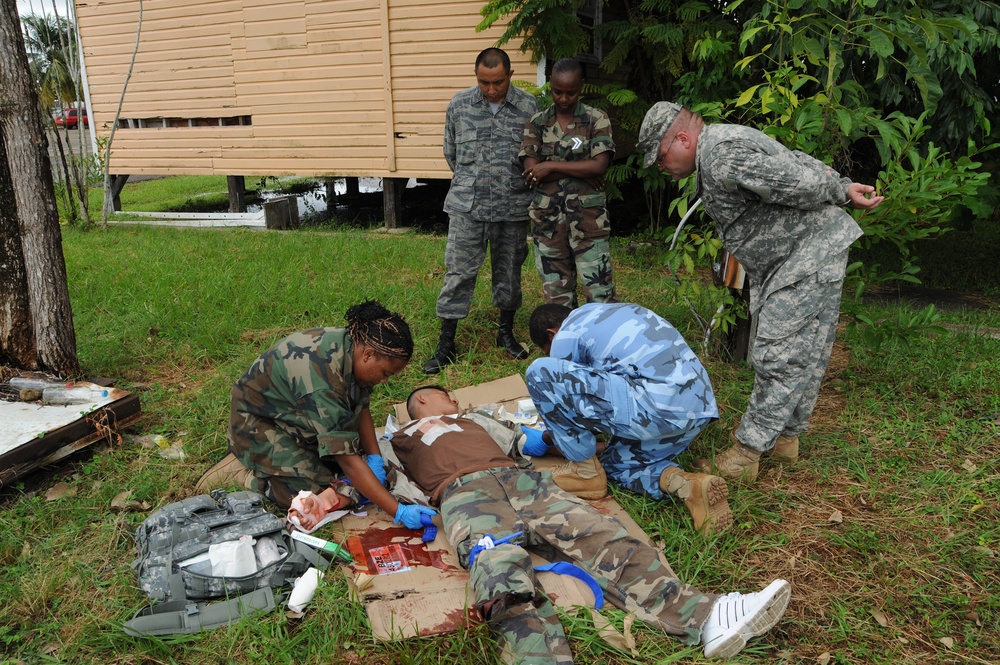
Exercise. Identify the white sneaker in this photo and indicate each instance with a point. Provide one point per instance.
(736, 617)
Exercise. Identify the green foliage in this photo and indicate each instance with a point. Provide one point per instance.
(50, 42)
(548, 28)
(903, 329)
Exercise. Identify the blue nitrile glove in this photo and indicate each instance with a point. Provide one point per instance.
(409, 516)
(377, 465)
(533, 446)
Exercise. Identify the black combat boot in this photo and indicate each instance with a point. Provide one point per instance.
(445, 353)
(505, 336)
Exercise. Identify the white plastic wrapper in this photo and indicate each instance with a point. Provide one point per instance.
(233, 558)
(267, 552)
(304, 590)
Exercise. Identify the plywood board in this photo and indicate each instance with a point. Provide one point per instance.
(37, 434)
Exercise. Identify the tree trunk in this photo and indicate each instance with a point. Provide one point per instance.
(35, 200)
(17, 344)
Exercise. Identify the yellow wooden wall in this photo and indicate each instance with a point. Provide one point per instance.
(329, 88)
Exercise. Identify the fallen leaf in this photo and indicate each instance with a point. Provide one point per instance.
(629, 637)
(969, 466)
(948, 642)
(836, 517)
(903, 640)
(973, 616)
(984, 550)
(607, 632)
(58, 491)
(881, 618)
(121, 503)
(823, 658)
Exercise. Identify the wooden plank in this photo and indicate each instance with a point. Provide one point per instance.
(333, 7)
(316, 102)
(365, 33)
(276, 115)
(362, 17)
(277, 26)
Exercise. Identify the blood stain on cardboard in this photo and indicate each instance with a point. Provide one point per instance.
(391, 550)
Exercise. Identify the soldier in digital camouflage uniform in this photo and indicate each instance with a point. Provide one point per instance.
(299, 417)
(466, 465)
(622, 370)
(487, 203)
(566, 150)
(779, 212)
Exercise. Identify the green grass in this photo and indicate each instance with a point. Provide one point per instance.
(905, 446)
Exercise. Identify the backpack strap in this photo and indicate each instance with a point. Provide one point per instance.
(299, 559)
(168, 619)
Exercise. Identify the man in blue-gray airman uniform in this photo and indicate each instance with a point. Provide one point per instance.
(487, 203)
(623, 371)
(780, 213)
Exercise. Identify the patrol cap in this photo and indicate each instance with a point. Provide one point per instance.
(656, 123)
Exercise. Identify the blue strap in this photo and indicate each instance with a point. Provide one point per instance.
(493, 542)
(566, 568)
(430, 529)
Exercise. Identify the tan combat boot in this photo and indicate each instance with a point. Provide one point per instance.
(585, 479)
(738, 462)
(227, 471)
(786, 449)
(703, 494)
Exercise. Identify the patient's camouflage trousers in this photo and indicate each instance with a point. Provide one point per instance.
(560, 527)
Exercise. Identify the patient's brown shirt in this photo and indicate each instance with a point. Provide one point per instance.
(438, 449)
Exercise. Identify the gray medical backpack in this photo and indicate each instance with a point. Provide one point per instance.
(182, 532)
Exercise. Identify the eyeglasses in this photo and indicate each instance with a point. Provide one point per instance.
(661, 158)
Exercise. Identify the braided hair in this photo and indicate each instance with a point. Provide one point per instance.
(371, 324)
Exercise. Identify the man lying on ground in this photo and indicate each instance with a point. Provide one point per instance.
(466, 465)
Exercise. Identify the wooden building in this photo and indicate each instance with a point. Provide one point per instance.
(282, 87)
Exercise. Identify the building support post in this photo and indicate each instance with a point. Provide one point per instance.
(237, 193)
(392, 196)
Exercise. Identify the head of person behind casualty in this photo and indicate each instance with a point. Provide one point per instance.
(779, 212)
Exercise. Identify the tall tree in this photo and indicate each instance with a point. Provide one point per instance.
(17, 344)
(30, 176)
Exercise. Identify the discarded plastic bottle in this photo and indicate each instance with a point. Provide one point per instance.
(73, 395)
(25, 383)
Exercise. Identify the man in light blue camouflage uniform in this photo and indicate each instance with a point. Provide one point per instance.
(780, 214)
(622, 370)
(487, 203)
